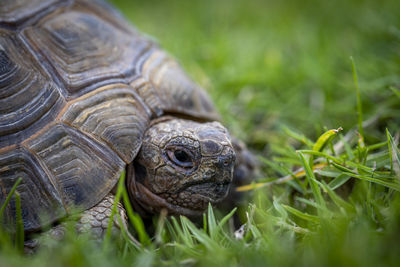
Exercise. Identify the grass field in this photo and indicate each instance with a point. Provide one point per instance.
(282, 74)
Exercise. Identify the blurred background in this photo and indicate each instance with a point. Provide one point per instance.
(275, 64)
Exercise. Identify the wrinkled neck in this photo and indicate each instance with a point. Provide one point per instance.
(130, 185)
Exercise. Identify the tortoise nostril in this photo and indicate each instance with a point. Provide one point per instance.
(225, 161)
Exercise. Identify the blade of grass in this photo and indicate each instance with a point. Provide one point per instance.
(362, 150)
(183, 236)
(19, 233)
(199, 235)
(212, 224)
(226, 218)
(347, 147)
(394, 186)
(299, 137)
(312, 181)
(338, 181)
(375, 175)
(135, 220)
(296, 229)
(171, 230)
(337, 199)
(297, 174)
(278, 207)
(205, 222)
(395, 91)
(189, 251)
(341, 168)
(282, 170)
(302, 215)
(376, 146)
(126, 234)
(8, 198)
(160, 226)
(292, 161)
(338, 161)
(114, 210)
(394, 154)
(186, 232)
(309, 202)
(359, 105)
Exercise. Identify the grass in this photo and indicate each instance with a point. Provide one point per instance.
(282, 74)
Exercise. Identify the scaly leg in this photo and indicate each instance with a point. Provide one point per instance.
(97, 218)
(94, 220)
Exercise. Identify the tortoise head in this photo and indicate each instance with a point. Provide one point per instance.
(182, 166)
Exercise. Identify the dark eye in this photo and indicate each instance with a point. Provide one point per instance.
(180, 158)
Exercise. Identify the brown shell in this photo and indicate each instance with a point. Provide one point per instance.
(78, 87)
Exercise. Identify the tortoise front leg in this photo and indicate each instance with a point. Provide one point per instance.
(94, 220)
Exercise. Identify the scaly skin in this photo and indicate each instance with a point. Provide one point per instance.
(94, 221)
(182, 166)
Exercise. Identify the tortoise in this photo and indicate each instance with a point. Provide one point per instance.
(84, 96)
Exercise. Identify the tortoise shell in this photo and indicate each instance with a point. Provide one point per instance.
(78, 88)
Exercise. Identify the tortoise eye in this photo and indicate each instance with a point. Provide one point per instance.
(181, 158)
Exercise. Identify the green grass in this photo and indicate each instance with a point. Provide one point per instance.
(282, 73)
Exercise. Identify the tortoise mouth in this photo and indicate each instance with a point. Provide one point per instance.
(190, 201)
(196, 196)
(154, 203)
